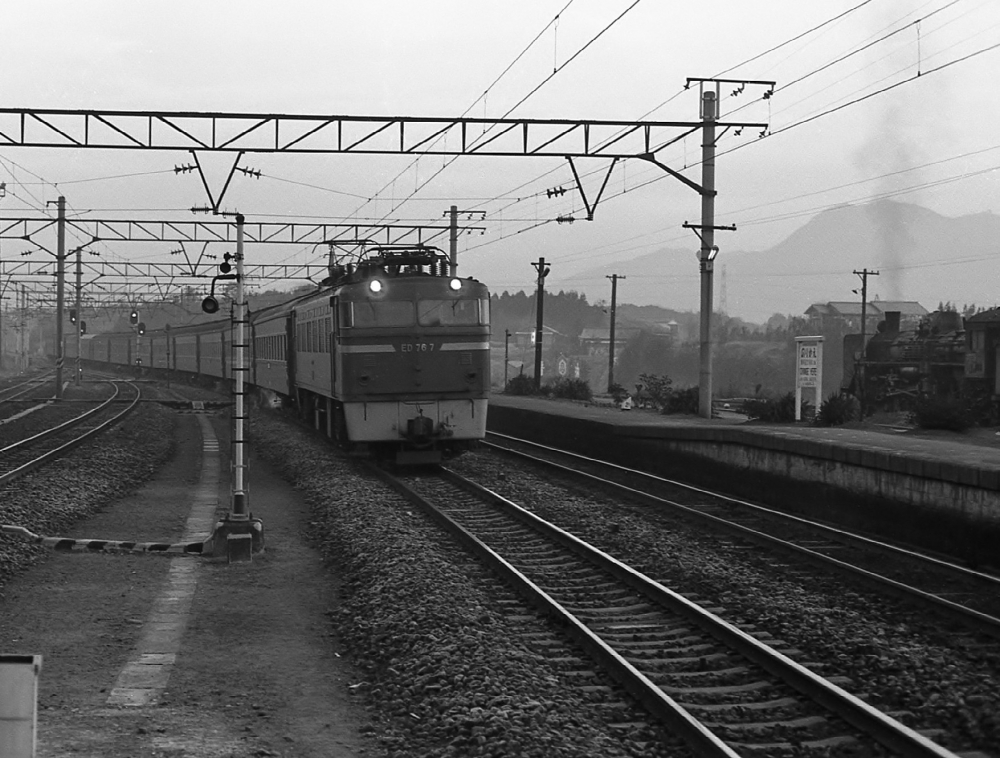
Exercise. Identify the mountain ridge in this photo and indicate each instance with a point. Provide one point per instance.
(919, 254)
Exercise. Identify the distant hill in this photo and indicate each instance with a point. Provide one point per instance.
(919, 254)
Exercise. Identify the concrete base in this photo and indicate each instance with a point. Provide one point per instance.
(236, 538)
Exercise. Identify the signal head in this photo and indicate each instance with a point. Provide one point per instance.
(210, 305)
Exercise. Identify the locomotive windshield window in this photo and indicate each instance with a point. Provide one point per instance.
(448, 312)
(384, 313)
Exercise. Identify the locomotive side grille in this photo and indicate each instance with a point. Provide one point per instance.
(465, 359)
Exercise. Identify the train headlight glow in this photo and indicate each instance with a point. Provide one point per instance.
(455, 284)
(375, 285)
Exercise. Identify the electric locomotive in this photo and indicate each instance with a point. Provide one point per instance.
(391, 360)
(390, 357)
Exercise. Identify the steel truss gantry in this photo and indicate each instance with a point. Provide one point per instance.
(280, 233)
(283, 133)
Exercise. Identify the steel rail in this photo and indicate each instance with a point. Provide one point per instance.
(61, 427)
(66, 447)
(884, 729)
(980, 622)
(645, 691)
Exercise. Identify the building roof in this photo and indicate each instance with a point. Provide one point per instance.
(874, 308)
(605, 334)
(905, 307)
(986, 317)
(849, 308)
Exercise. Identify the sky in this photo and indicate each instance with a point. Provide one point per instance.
(884, 98)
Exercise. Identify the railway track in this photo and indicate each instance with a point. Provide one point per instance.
(32, 452)
(955, 592)
(723, 691)
(22, 390)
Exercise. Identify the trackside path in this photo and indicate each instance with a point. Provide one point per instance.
(255, 672)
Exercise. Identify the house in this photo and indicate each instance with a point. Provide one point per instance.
(598, 341)
(848, 313)
(982, 341)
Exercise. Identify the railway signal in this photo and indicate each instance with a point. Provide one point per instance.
(141, 327)
(133, 317)
(72, 315)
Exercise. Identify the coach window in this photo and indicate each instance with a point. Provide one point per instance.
(448, 312)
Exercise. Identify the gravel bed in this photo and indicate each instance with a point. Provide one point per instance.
(445, 673)
(903, 662)
(50, 500)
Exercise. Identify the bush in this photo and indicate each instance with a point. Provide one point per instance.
(775, 410)
(683, 401)
(571, 389)
(520, 385)
(657, 389)
(617, 392)
(941, 413)
(836, 410)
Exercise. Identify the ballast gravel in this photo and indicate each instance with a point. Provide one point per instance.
(51, 499)
(941, 681)
(445, 673)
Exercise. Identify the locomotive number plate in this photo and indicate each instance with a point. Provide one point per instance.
(417, 347)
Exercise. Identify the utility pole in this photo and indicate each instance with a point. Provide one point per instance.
(543, 271)
(60, 292)
(453, 235)
(506, 356)
(453, 239)
(706, 257)
(79, 313)
(860, 370)
(611, 347)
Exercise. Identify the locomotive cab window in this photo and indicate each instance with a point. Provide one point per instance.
(458, 312)
(377, 313)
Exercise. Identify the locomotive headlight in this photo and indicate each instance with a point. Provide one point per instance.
(375, 285)
(455, 284)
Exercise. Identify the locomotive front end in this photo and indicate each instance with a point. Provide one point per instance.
(412, 361)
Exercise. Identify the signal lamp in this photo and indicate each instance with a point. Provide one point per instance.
(142, 328)
(72, 315)
(210, 305)
(455, 284)
(83, 327)
(134, 317)
(375, 285)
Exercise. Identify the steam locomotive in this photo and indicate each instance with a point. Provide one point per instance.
(390, 357)
(901, 365)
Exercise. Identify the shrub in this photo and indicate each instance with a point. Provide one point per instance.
(617, 392)
(520, 385)
(837, 409)
(941, 413)
(657, 388)
(775, 410)
(683, 401)
(571, 389)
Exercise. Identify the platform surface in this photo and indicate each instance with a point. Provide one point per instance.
(978, 448)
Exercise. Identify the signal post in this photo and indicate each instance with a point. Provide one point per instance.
(238, 536)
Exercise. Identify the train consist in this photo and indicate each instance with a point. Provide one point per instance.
(390, 357)
(943, 356)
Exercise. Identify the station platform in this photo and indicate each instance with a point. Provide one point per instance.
(976, 449)
(937, 488)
